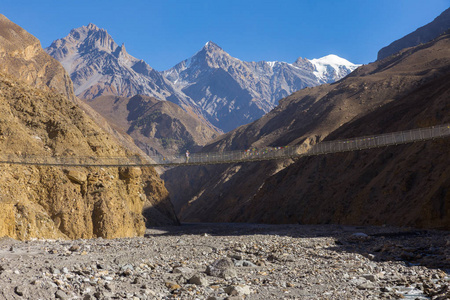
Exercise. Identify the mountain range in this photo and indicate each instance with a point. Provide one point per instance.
(220, 90)
(401, 185)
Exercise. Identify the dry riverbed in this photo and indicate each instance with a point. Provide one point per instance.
(233, 261)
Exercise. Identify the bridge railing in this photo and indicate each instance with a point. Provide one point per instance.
(252, 154)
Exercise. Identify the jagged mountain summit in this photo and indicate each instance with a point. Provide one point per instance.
(98, 66)
(220, 89)
(234, 92)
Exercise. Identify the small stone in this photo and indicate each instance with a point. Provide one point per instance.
(76, 176)
(435, 276)
(137, 280)
(237, 290)
(199, 279)
(223, 268)
(370, 277)
(19, 290)
(235, 256)
(183, 270)
(247, 263)
(61, 295)
(359, 236)
(108, 287)
(172, 285)
(74, 248)
(366, 286)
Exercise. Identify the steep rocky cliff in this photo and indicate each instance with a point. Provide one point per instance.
(341, 188)
(39, 118)
(21, 55)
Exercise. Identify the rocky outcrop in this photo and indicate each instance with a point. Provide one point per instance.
(397, 93)
(58, 202)
(422, 35)
(158, 127)
(21, 55)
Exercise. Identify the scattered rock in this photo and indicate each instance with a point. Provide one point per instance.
(183, 271)
(238, 290)
(76, 176)
(223, 268)
(244, 263)
(199, 279)
(74, 248)
(61, 295)
(171, 285)
(19, 290)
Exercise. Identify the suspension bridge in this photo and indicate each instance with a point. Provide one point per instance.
(248, 155)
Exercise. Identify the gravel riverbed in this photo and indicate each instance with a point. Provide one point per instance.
(233, 261)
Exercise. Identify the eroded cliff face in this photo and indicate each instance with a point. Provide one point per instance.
(39, 118)
(21, 55)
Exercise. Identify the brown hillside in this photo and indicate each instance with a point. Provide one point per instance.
(157, 127)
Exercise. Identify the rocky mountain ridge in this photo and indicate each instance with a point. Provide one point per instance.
(234, 92)
(98, 66)
(219, 89)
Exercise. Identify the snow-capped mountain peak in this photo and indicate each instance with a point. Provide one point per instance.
(330, 68)
(222, 89)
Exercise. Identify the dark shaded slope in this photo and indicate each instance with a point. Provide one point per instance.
(400, 185)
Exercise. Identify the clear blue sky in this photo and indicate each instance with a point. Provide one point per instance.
(165, 32)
